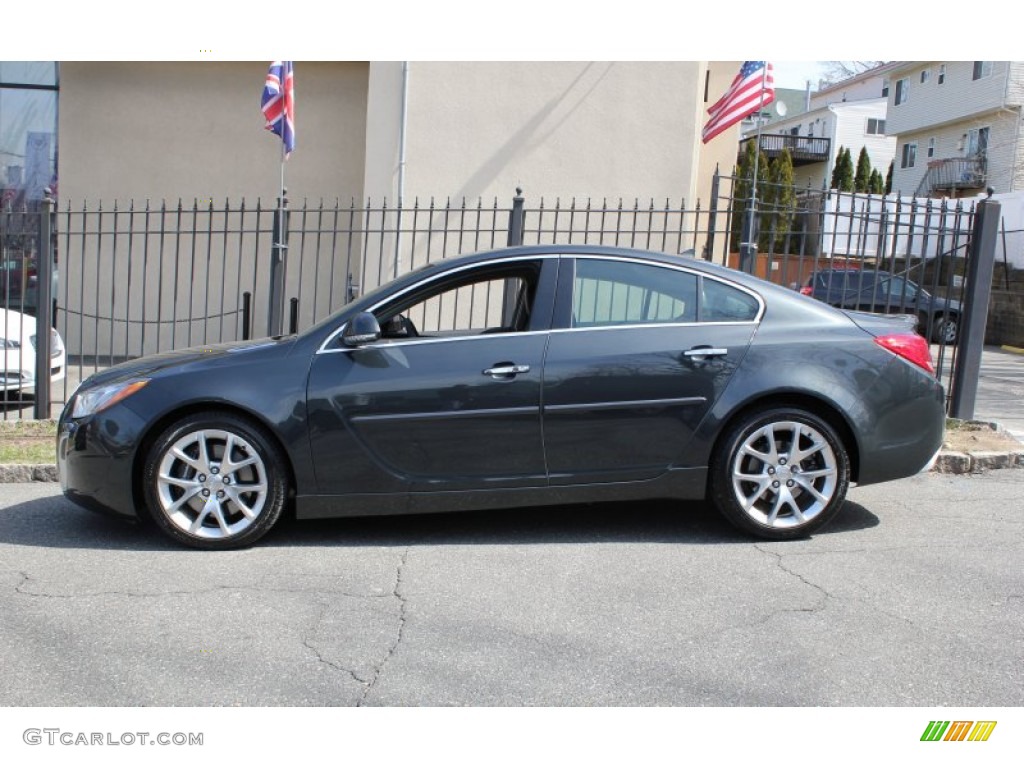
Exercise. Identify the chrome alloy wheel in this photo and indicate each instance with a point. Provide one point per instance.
(784, 474)
(211, 484)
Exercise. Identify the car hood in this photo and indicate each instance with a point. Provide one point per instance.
(191, 359)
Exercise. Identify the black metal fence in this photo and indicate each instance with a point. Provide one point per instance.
(139, 279)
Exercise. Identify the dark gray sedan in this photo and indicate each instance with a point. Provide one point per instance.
(526, 376)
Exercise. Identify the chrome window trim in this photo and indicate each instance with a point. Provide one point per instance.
(507, 260)
(688, 270)
(544, 256)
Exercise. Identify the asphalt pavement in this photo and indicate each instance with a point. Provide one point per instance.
(911, 597)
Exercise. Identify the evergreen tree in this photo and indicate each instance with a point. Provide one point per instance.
(742, 190)
(876, 186)
(834, 182)
(888, 177)
(784, 200)
(844, 172)
(862, 179)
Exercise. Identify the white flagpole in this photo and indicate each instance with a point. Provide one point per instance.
(751, 246)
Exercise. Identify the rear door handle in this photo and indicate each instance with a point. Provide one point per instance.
(500, 371)
(701, 353)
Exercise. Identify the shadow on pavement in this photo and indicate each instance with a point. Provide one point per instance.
(56, 522)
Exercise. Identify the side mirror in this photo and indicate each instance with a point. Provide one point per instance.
(361, 329)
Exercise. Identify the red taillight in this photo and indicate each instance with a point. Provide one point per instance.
(807, 290)
(910, 347)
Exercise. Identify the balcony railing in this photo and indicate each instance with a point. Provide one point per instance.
(954, 173)
(803, 149)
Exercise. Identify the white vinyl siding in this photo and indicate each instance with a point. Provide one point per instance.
(959, 98)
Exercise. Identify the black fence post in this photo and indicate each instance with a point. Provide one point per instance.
(44, 301)
(293, 316)
(978, 280)
(709, 245)
(278, 258)
(516, 219)
(246, 316)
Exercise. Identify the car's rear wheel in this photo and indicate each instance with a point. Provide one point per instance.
(215, 481)
(946, 329)
(780, 474)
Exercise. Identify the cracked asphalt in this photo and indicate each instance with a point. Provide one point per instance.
(913, 596)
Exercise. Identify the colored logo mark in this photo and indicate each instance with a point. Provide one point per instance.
(958, 730)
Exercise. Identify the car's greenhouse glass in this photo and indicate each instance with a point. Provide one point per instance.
(626, 293)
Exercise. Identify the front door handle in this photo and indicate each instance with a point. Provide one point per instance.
(506, 371)
(703, 353)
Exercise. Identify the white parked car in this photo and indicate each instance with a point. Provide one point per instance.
(18, 352)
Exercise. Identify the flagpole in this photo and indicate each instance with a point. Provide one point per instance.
(748, 249)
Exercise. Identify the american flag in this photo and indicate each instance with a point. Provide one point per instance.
(278, 103)
(753, 88)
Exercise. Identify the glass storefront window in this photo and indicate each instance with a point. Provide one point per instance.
(28, 131)
(28, 73)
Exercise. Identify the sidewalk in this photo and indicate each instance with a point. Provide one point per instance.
(1001, 390)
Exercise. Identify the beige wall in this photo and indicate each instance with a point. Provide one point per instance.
(193, 129)
(558, 129)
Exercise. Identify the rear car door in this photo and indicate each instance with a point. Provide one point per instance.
(639, 353)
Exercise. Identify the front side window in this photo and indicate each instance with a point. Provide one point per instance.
(926, 75)
(876, 127)
(491, 299)
(909, 155)
(942, 74)
(902, 91)
(982, 69)
(931, 147)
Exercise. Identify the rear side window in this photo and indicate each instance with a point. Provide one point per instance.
(608, 292)
(721, 303)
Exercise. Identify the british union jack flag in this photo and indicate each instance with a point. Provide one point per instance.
(278, 103)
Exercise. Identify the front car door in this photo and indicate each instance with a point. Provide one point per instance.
(639, 354)
(449, 397)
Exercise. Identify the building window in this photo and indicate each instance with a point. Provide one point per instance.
(982, 69)
(885, 87)
(902, 91)
(926, 75)
(942, 74)
(876, 127)
(909, 156)
(977, 142)
(28, 131)
(795, 131)
(931, 147)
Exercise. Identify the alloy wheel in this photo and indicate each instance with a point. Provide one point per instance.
(212, 484)
(784, 474)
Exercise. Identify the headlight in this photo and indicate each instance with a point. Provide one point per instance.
(95, 400)
(9, 343)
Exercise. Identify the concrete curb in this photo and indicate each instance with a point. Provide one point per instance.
(956, 463)
(28, 473)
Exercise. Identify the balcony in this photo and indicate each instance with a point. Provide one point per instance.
(950, 174)
(803, 149)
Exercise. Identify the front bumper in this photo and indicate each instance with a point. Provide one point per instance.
(95, 459)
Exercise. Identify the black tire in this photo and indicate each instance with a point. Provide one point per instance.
(946, 329)
(755, 485)
(205, 502)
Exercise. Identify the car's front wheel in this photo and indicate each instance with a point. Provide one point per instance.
(780, 474)
(215, 481)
